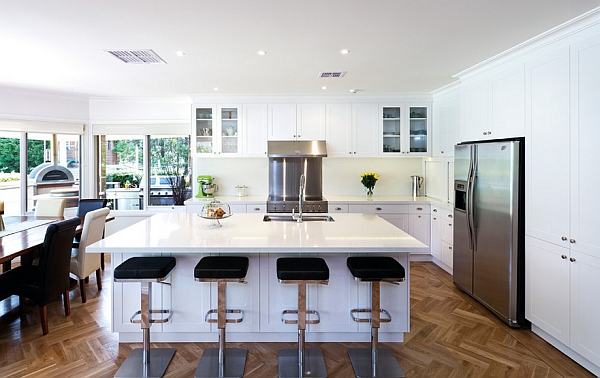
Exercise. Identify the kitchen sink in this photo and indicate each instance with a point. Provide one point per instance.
(305, 218)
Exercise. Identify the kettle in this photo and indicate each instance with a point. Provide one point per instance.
(416, 185)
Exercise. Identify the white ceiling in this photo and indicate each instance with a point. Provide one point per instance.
(396, 46)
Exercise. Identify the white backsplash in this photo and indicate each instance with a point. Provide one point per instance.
(341, 176)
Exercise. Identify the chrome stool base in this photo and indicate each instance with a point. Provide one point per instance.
(314, 363)
(386, 366)
(133, 367)
(233, 367)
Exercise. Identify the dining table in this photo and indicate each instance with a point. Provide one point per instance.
(23, 235)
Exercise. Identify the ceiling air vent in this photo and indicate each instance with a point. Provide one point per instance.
(331, 74)
(137, 56)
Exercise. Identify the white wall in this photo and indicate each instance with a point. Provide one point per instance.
(341, 176)
(35, 106)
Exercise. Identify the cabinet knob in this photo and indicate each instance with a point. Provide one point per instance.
(257, 209)
(449, 247)
(434, 218)
(435, 210)
(419, 216)
(450, 216)
(378, 208)
(354, 152)
(338, 209)
(350, 152)
(442, 152)
(564, 238)
(572, 241)
(489, 133)
(572, 259)
(419, 208)
(299, 136)
(564, 257)
(485, 133)
(450, 224)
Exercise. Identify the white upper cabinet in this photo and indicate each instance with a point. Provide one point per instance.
(494, 107)
(292, 121)
(547, 143)
(352, 129)
(254, 130)
(585, 143)
(404, 129)
(310, 122)
(217, 130)
(444, 134)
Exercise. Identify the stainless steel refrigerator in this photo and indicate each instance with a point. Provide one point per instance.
(489, 227)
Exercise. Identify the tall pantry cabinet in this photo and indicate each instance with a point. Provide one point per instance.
(562, 231)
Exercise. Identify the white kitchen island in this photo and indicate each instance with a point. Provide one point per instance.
(188, 237)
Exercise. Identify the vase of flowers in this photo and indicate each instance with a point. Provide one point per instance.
(368, 179)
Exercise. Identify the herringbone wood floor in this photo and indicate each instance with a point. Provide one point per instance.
(451, 336)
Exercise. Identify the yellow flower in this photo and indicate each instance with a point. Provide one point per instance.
(368, 179)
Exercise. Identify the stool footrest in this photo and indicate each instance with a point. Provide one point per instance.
(308, 320)
(208, 319)
(163, 320)
(386, 319)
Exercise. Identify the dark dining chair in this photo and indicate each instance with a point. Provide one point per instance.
(50, 278)
(85, 206)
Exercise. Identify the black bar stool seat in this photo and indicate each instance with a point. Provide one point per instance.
(375, 362)
(301, 362)
(222, 361)
(146, 361)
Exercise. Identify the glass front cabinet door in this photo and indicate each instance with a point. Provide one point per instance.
(418, 129)
(404, 130)
(217, 130)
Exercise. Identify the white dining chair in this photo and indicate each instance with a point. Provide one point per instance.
(50, 207)
(83, 264)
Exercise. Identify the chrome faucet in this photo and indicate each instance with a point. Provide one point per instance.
(298, 217)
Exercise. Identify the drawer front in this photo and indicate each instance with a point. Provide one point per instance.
(378, 209)
(419, 209)
(447, 219)
(262, 208)
(338, 208)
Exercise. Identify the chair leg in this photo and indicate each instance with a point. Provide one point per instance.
(99, 279)
(102, 261)
(82, 289)
(67, 303)
(87, 279)
(44, 319)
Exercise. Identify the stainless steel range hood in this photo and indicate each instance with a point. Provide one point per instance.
(299, 148)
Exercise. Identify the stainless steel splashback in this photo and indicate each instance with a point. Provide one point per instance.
(284, 178)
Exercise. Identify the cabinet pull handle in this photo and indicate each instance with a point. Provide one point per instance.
(572, 241)
(449, 247)
(564, 257)
(257, 209)
(564, 238)
(489, 133)
(485, 133)
(434, 218)
(338, 208)
(435, 210)
(442, 151)
(419, 216)
(378, 208)
(419, 208)
(450, 224)
(350, 152)
(572, 259)
(449, 215)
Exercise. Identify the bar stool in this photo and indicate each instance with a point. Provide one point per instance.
(301, 362)
(221, 361)
(146, 362)
(375, 362)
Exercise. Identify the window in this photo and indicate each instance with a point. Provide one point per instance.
(143, 170)
(10, 168)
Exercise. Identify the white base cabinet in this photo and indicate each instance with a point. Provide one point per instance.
(562, 296)
(442, 235)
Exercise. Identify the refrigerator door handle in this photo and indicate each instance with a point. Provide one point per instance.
(471, 199)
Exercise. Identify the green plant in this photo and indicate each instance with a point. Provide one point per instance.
(123, 176)
(369, 179)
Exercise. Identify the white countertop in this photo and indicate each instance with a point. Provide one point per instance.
(331, 199)
(247, 233)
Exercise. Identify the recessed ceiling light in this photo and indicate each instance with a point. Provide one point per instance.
(345, 51)
(180, 53)
(215, 89)
(323, 87)
(262, 52)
